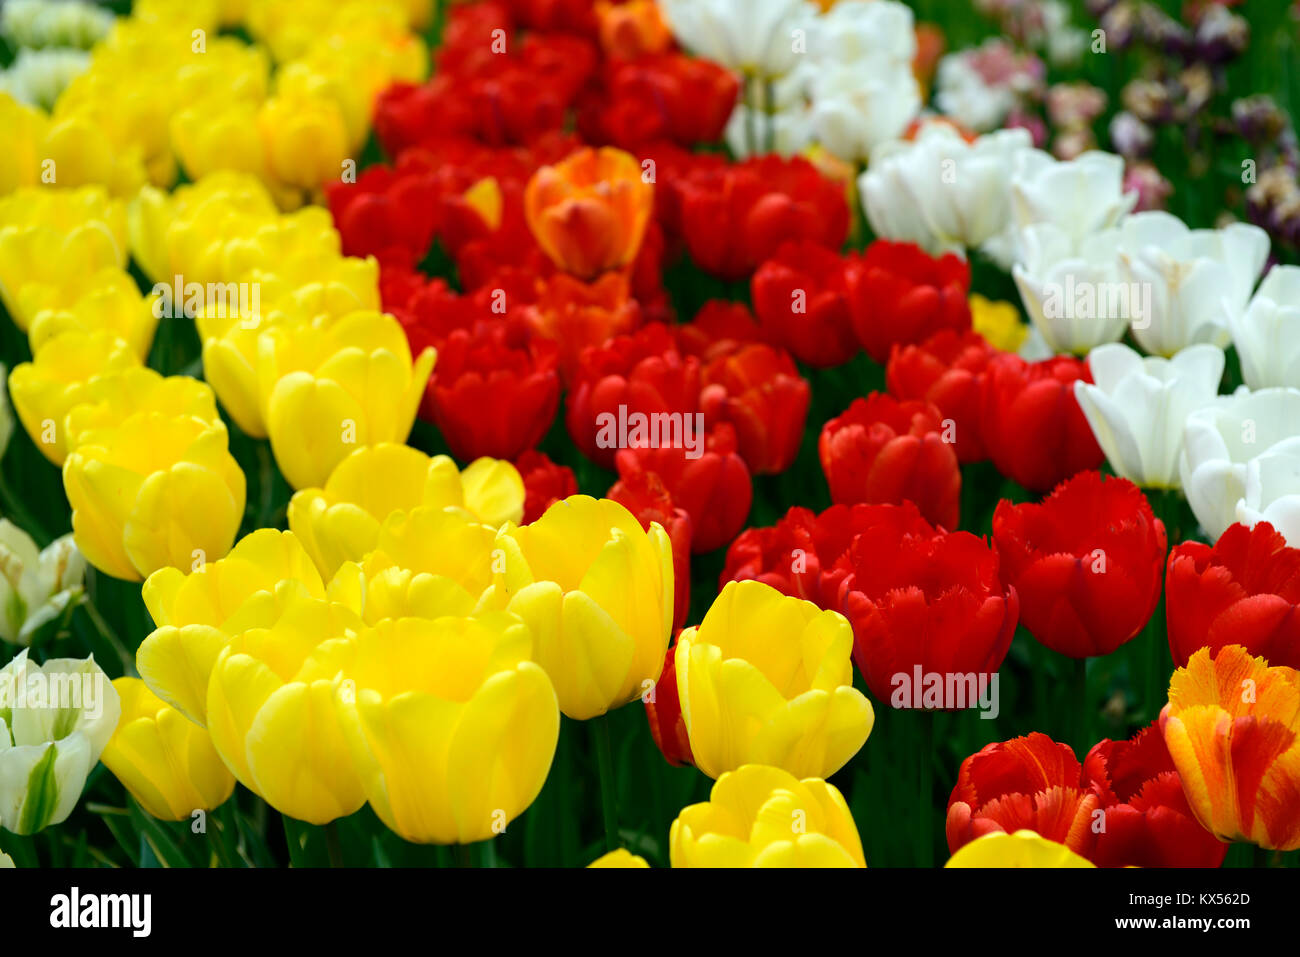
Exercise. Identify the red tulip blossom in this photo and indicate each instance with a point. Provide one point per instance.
(884, 451)
(670, 97)
(1087, 561)
(1245, 590)
(800, 300)
(947, 370)
(758, 389)
(577, 315)
(720, 328)
(545, 483)
(663, 710)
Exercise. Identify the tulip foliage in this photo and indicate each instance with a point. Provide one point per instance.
(534, 433)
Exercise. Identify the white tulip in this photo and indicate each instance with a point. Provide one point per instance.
(1219, 443)
(1071, 287)
(1198, 278)
(1138, 407)
(962, 93)
(854, 111)
(1267, 334)
(55, 720)
(1080, 197)
(36, 587)
(1273, 491)
(753, 132)
(864, 33)
(762, 38)
(940, 192)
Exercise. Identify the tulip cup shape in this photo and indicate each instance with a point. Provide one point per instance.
(165, 761)
(622, 858)
(55, 720)
(759, 816)
(1024, 848)
(38, 588)
(768, 679)
(1233, 728)
(596, 590)
(451, 725)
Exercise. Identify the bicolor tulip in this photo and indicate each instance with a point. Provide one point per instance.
(163, 759)
(1233, 728)
(451, 725)
(597, 592)
(38, 588)
(758, 816)
(768, 679)
(55, 720)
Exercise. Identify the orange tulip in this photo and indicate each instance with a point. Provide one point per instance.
(1232, 726)
(576, 315)
(589, 212)
(633, 29)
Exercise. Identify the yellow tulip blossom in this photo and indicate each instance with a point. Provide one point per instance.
(41, 268)
(304, 140)
(759, 816)
(152, 491)
(597, 591)
(66, 210)
(999, 323)
(1024, 848)
(197, 613)
(114, 304)
(620, 858)
(768, 679)
(22, 130)
(451, 725)
(60, 377)
(111, 398)
(272, 708)
(165, 761)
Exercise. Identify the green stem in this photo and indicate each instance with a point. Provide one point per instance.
(464, 855)
(1079, 707)
(14, 509)
(925, 788)
(769, 111)
(1263, 857)
(605, 764)
(333, 845)
(751, 123)
(109, 635)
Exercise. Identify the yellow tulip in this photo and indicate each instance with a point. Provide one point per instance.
(41, 268)
(999, 323)
(113, 305)
(451, 726)
(61, 377)
(304, 140)
(758, 816)
(768, 679)
(167, 762)
(22, 130)
(153, 491)
(110, 399)
(81, 152)
(196, 614)
(272, 709)
(597, 591)
(315, 287)
(341, 522)
(427, 563)
(66, 210)
(620, 858)
(1022, 849)
(351, 383)
(218, 134)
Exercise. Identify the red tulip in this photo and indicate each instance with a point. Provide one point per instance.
(900, 295)
(1031, 423)
(545, 483)
(920, 598)
(709, 480)
(947, 370)
(389, 216)
(1245, 590)
(720, 328)
(758, 390)
(669, 96)
(577, 315)
(663, 709)
(885, 451)
(1087, 562)
(800, 299)
(644, 495)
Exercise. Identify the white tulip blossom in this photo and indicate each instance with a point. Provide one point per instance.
(1138, 407)
(37, 587)
(1071, 288)
(756, 38)
(1080, 196)
(941, 192)
(1220, 443)
(1273, 491)
(1197, 277)
(55, 720)
(854, 111)
(1267, 333)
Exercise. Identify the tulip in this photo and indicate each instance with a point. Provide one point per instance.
(113, 304)
(590, 212)
(663, 711)
(1032, 425)
(46, 389)
(271, 707)
(44, 268)
(919, 598)
(110, 399)
(197, 614)
(304, 139)
(1024, 848)
(1273, 490)
(1219, 444)
(1138, 407)
(577, 315)
(6, 413)
(452, 727)
(38, 589)
(1242, 591)
(801, 300)
(1082, 196)
(545, 483)
(748, 698)
(764, 817)
(999, 322)
(946, 371)
(596, 591)
(55, 720)
(619, 858)
(644, 495)
(631, 30)
(1199, 277)
(341, 521)
(753, 38)
(1233, 729)
(152, 491)
(1268, 352)
(1086, 562)
(856, 110)
(164, 760)
(758, 390)
(882, 451)
(664, 97)
(900, 296)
